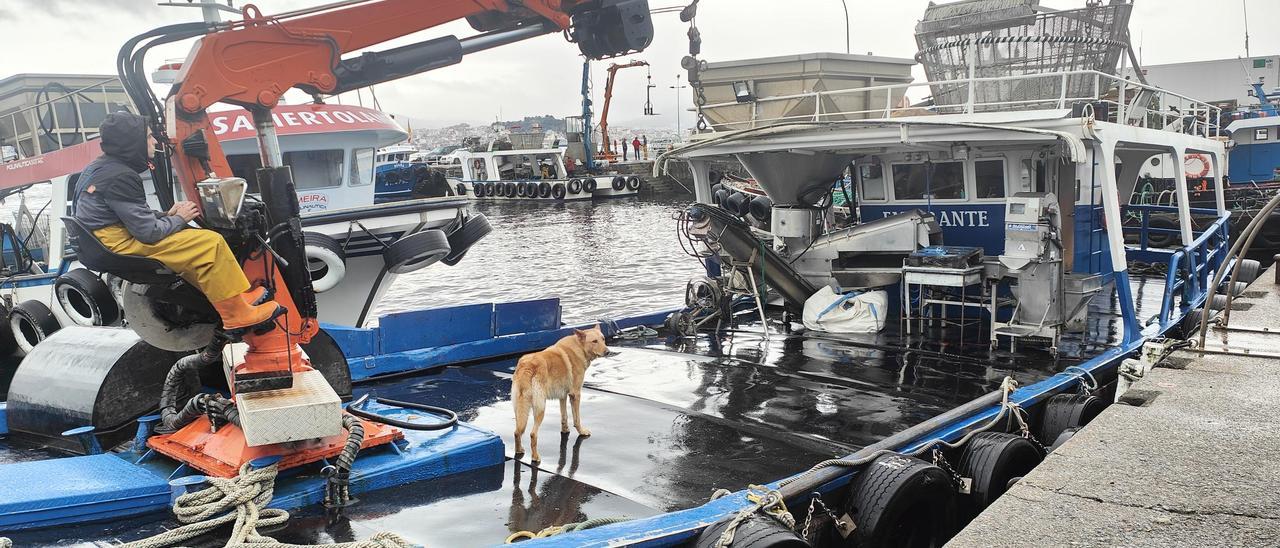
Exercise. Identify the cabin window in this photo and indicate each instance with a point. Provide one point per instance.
(930, 180)
(989, 178)
(315, 168)
(1261, 134)
(453, 171)
(871, 181)
(361, 167)
(245, 166)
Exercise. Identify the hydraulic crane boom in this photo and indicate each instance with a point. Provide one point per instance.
(252, 63)
(609, 153)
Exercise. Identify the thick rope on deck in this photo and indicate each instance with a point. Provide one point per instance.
(559, 529)
(242, 500)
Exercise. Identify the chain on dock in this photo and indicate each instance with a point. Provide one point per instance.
(242, 500)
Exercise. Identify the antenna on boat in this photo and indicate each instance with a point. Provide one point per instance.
(648, 90)
(1244, 5)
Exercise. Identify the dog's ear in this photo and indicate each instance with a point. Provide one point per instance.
(582, 335)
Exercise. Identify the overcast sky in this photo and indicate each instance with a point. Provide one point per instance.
(543, 75)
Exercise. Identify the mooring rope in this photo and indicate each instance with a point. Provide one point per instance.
(559, 529)
(242, 500)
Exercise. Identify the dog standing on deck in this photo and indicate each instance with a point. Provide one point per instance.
(556, 372)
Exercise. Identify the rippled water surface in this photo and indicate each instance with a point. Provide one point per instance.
(609, 258)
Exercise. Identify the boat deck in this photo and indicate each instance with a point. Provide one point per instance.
(673, 419)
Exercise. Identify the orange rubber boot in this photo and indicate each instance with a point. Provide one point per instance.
(254, 296)
(237, 314)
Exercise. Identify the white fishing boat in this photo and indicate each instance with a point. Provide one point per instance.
(538, 174)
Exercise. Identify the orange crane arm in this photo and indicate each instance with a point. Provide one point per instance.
(608, 98)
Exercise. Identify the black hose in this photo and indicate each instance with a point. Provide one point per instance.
(184, 377)
(355, 409)
(338, 479)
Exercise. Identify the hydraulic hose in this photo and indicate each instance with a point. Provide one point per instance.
(1249, 232)
(338, 479)
(184, 376)
(355, 409)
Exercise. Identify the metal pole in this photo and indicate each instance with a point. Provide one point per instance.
(678, 87)
(848, 50)
(268, 142)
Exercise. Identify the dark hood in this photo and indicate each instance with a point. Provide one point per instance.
(124, 137)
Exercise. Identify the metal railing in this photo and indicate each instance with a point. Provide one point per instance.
(1191, 266)
(9, 128)
(1133, 103)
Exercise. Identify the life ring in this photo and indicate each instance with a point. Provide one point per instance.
(557, 191)
(1065, 411)
(544, 189)
(895, 493)
(32, 322)
(416, 251)
(86, 299)
(1190, 172)
(633, 183)
(326, 261)
(589, 185)
(575, 186)
(619, 183)
(991, 460)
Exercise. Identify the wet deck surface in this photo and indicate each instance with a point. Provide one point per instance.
(673, 419)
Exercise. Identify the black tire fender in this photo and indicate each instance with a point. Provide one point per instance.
(509, 190)
(1065, 411)
(326, 261)
(761, 208)
(416, 251)
(461, 189)
(557, 191)
(757, 531)
(477, 190)
(86, 299)
(575, 186)
(991, 460)
(488, 189)
(544, 189)
(738, 204)
(522, 190)
(619, 183)
(901, 501)
(590, 185)
(719, 196)
(32, 322)
(473, 229)
(634, 183)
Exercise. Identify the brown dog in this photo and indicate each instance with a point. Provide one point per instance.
(556, 372)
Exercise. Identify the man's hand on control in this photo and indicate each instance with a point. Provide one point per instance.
(186, 210)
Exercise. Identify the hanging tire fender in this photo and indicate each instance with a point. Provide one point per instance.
(416, 251)
(619, 183)
(1065, 411)
(326, 261)
(633, 183)
(473, 229)
(32, 322)
(991, 460)
(488, 189)
(575, 186)
(896, 494)
(86, 299)
(590, 185)
(557, 191)
(544, 189)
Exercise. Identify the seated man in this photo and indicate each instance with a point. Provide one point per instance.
(111, 201)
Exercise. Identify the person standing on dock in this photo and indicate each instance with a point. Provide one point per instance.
(635, 145)
(624, 149)
(644, 142)
(111, 201)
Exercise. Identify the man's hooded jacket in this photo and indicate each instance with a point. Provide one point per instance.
(110, 192)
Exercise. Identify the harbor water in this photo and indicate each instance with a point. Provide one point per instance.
(608, 258)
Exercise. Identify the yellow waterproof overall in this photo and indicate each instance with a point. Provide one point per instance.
(201, 257)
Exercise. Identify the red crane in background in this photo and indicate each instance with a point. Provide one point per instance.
(607, 151)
